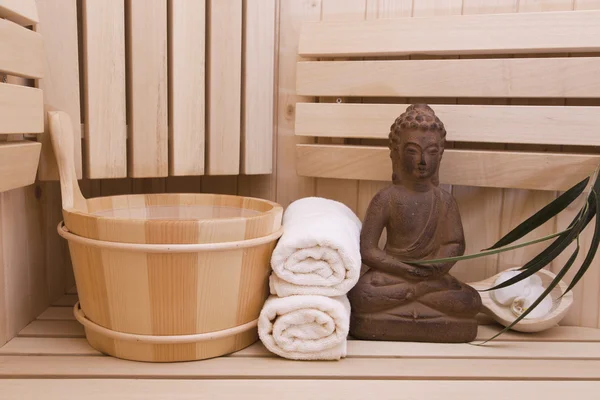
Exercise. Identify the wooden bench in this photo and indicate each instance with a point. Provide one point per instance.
(50, 357)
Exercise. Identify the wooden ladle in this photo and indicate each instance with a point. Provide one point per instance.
(504, 316)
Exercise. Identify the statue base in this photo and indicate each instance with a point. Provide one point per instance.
(394, 328)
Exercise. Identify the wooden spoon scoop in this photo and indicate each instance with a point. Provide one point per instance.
(504, 316)
(61, 135)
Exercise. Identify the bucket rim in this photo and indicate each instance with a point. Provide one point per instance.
(168, 248)
(160, 339)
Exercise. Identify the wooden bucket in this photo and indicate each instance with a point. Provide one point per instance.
(166, 277)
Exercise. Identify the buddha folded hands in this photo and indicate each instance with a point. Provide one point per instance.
(397, 300)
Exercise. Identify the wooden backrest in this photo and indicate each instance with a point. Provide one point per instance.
(21, 107)
(525, 57)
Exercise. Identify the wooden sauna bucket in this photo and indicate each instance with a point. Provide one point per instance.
(165, 277)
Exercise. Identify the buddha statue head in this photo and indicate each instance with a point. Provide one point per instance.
(416, 142)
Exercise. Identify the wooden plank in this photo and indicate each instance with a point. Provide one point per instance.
(477, 201)
(57, 314)
(18, 163)
(23, 12)
(344, 191)
(104, 88)
(464, 123)
(154, 389)
(58, 27)
(512, 77)
(21, 51)
(187, 87)
(289, 185)
(21, 109)
(259, 82)
(224, 86)
(260, 367)
(24, 273)
(147, 84)
(525, 170)
(68, 300)
(467, 34)
(39, 329)
(529, 350)
(48, 346)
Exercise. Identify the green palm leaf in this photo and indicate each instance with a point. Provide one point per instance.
(543, 215)
(593, 248)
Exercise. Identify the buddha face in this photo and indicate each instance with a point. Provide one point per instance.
(418, 156)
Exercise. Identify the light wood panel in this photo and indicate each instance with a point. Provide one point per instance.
(524, 350)
(344, 191)
(289, 185)
(472, 34)
(21, 51)
(153, 389)
(18, 164)
(254, 367)
(147, 88)
(224, 86)
(25, 289)
(53, 329)
(58, 27)
(21, 109)
(104, 88)
(518, 77)
(464, 123)
(187, 87)
(259, 82)
(526, 170)
(23, 12)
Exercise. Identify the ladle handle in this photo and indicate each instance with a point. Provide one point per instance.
(61, 135)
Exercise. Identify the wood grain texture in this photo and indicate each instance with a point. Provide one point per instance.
(104, 89)
(187, 87)
(58, 27)
(467, 34)
(21, 51)
(18, 164)
(147, 88)
(289, 185)
(464, 122)
(25, 289)
(258, 91)
(224, 85)
(344, 191)
(355, 368)
(526, 170)
(21, 109)
(518, 77)
(23, 12)
(153, 389)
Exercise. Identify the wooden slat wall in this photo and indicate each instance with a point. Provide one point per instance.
(510, 206)
(147, 88)
(21, 51)
(224, 87)
(187, 87)
(103, 26)
(22, 12)
(60, 85)
(103, 94)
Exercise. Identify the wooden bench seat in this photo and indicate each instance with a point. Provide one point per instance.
(562, 360)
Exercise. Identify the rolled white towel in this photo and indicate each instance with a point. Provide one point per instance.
(319, 251)
(305, 327)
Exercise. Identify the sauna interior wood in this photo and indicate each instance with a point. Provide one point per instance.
(279, 100)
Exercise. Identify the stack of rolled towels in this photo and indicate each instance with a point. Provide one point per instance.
(314, 265)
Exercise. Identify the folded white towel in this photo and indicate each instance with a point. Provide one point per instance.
(305, 327)
(319, 251)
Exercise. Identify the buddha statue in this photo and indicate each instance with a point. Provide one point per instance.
(394, 299)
